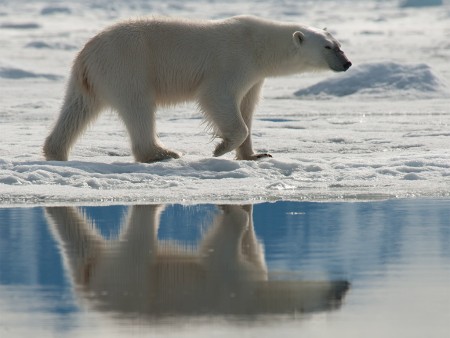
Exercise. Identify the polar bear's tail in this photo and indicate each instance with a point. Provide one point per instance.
(80, 107)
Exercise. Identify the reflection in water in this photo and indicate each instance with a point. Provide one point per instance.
(200, 271)
(225, 274)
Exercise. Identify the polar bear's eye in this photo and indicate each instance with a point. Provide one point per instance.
(327, 47)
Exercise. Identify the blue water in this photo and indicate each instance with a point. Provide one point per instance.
(66, 262)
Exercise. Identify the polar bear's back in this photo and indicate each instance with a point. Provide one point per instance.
(174, 58)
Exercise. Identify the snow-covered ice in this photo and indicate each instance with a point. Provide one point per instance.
(380, 130)
(383, 78)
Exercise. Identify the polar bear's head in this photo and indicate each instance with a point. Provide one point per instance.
(320, 50)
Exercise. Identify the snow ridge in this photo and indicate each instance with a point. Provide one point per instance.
(381, 79)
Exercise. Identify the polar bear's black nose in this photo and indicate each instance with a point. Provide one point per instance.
(347, 65)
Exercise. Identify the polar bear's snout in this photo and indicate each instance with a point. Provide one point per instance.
(347, 65)
(346, 62)
(338, 61)
(342, 61)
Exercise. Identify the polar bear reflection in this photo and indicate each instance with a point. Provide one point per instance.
(226, 274)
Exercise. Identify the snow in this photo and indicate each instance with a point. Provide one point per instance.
(380, 130)
(382, 78)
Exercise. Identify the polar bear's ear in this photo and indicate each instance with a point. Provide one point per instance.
(298, 37)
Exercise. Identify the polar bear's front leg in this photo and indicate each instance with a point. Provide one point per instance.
(231, 138)
(248, 105)
(223, 114)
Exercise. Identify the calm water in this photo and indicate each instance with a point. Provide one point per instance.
(285, 269)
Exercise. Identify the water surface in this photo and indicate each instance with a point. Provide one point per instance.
(378, 269)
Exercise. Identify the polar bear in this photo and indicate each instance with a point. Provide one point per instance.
(136, 66)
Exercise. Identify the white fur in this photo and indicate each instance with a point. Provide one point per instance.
(136, 66)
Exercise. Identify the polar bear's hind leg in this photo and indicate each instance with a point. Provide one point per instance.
(80, 107)
(139, 119)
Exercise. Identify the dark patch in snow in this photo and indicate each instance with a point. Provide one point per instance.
(337, 140)
(38, 45)
(17, 74)
(412, 177)
(28, 25)
(276, 120)
(45, 45)
(51, 10)
(421, 3)
(371, 32)
(313, 168)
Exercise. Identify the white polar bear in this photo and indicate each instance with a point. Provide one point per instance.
(135, 66)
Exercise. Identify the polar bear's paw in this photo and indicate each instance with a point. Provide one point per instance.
(254, 157)
(259, 156)
(159, 154)
(54, 151)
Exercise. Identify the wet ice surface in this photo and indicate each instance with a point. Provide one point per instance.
(380, 130)
(373, 269)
